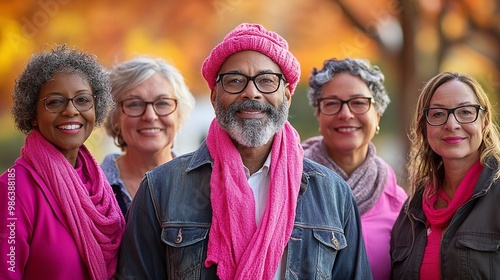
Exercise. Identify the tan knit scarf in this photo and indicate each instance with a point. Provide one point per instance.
(367, 182)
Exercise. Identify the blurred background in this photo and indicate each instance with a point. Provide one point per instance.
(410, 40)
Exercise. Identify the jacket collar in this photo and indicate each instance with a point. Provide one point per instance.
(202, 156)
(483, 184)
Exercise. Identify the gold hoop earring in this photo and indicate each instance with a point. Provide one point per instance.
(377, 130)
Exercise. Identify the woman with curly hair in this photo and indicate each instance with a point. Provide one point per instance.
(63, 221)
(348, 97)
(450, 228)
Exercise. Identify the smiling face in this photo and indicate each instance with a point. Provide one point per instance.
(149, 133)
(69, 129)
(452, 140)
(346, 133)
(251, 117)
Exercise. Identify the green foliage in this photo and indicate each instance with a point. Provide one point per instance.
(302, 115)
(10, 146)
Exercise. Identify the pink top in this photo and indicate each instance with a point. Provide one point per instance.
(439, 218)
(377, 224)
(35, 242)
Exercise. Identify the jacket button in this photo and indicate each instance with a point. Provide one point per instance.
(178, 238)
(335, 242)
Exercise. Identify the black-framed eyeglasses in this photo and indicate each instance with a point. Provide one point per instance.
(463, 114)
(333, 105)
(56, 103)
(135, 107)
(235, 83)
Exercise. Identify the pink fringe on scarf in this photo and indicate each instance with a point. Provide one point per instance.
(240, 249)
(94, 219)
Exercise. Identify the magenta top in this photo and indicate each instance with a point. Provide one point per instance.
(377, 224)
(35, 242)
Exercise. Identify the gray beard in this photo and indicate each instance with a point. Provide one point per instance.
(252, 132)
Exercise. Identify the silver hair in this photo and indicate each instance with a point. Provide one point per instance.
(129, 74)
(371, 75)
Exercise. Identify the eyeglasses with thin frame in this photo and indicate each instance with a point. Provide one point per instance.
(56, 103)
(332, 105)
(135, 107)
(463, 114)
(235, 83)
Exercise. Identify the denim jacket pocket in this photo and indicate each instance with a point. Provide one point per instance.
(332, 239)
(330, 243)
(185, 249)
(312, 252)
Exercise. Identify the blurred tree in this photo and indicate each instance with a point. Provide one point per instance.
(418, 39)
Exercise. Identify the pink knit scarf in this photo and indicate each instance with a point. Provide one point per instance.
(93, 216)
(439, 218)
(240, 249)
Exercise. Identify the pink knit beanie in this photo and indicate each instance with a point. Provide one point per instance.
(254, 37)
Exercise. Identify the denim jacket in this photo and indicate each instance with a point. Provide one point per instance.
(169, 221)
(470, 245)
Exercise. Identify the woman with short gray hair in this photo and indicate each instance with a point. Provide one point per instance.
(144, 133)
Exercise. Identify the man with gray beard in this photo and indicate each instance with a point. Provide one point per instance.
(246, 204)
(251, 132)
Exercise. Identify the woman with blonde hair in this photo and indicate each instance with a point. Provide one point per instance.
(449, 228)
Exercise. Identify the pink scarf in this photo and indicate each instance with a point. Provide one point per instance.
(93, 216)
(240, 249)
(440, 218)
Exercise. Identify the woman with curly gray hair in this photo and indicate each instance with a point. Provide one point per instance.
(63, 220)
(346, 147)
(144, 133)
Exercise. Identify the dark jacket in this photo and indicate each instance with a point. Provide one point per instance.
(470, 245)
(169, 221)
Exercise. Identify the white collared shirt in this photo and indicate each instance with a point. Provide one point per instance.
(259, 182)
